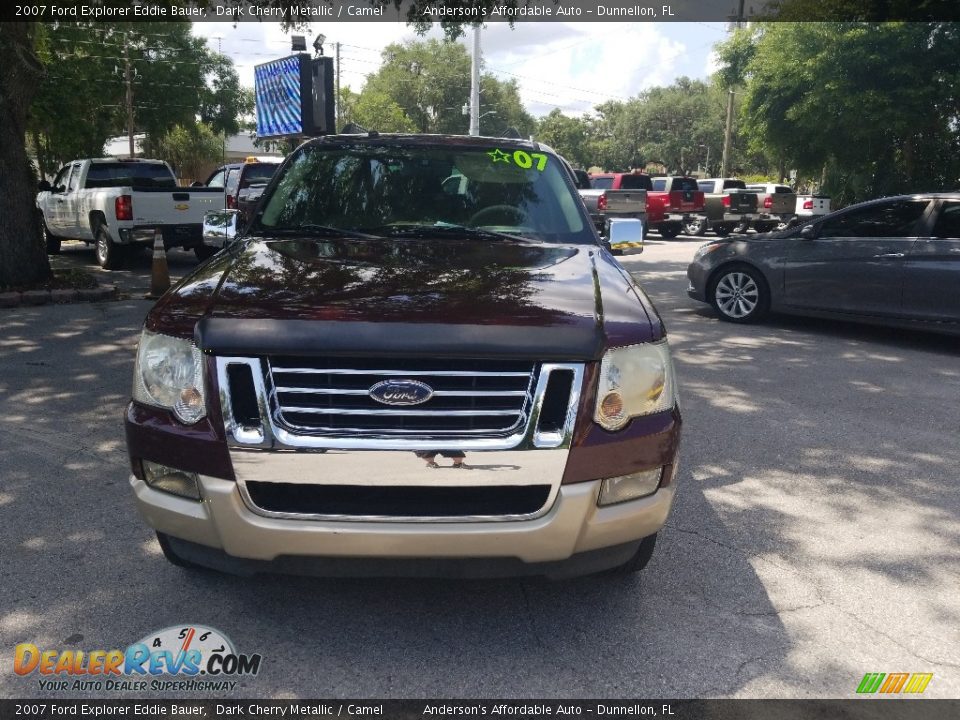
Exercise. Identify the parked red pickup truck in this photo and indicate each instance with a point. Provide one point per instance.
(671, 201)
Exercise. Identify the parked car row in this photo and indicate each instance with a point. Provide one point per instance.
(675, 204)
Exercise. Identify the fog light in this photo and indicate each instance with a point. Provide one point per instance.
(177, 482)
(629, 487)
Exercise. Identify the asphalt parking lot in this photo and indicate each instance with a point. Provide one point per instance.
(816, 535)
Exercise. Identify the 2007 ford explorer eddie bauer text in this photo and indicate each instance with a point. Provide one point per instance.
(418, 360)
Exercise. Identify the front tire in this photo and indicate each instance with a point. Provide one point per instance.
(108, 253)
(764, 227)
(51, 242)
(723, 230)
(739, 294)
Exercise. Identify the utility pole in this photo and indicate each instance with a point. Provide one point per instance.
(475, 83)
(725, 162)
(128, 76)
(338, 103)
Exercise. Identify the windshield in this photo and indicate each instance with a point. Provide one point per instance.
(257, 174)
(383, 190)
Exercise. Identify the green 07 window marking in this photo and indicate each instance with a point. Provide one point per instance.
(521, 159)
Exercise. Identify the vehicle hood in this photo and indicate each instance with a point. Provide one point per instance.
(459, 297)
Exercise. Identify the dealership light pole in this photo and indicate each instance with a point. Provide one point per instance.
(475, 83)
(728, 131)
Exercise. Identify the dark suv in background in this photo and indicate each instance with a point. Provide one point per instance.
(242, 184)
(237, 178)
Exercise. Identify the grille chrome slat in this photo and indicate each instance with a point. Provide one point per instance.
(403, 413)
(396, 373)
(436, 393)
(470, 398)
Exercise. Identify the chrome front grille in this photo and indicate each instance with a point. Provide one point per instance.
(470, 398)
(314, 404)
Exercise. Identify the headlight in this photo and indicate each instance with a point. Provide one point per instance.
(169, 374)
(704, 249)
(634, 380)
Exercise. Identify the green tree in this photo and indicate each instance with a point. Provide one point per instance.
(429, 82)
(873, 107)
(501, 98)
(374, 110)
(571, 137)
(223, 101)
(78, 98)
(189, 150)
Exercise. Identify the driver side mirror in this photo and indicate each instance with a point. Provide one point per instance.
(625, 235)
(808, 232)
(44, 186)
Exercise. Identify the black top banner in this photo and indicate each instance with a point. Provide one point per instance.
(480, 11)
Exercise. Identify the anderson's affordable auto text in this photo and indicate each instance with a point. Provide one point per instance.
(192, 657)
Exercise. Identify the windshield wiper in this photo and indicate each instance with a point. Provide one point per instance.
(445, 231)
(325, 231)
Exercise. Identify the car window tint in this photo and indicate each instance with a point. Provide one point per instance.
(635, 182)
(782, 189)
(660, 184)
(130, 174)
(948, 224)
(601, 183)
(738, 184)
(259, 173)
(892, 219)
(217, 180)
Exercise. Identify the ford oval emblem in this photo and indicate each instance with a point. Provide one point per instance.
(401, 392)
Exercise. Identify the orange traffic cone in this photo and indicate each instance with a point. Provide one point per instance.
(159, 273)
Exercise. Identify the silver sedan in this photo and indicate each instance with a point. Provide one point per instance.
(893, 261)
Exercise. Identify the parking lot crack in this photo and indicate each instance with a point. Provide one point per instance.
(893, 640)
(703, 537)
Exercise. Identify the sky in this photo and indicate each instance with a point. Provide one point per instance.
(570, 66)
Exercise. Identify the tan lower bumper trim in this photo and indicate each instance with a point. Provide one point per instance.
(574, 524)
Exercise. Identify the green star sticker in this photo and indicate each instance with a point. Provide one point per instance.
(499, 155)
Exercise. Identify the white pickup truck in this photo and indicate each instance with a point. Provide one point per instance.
(118, 204)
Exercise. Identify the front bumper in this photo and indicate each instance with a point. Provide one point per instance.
(272, 501)
(574, 530)
(697, 281)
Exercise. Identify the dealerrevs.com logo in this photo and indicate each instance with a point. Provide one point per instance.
(180, 658)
